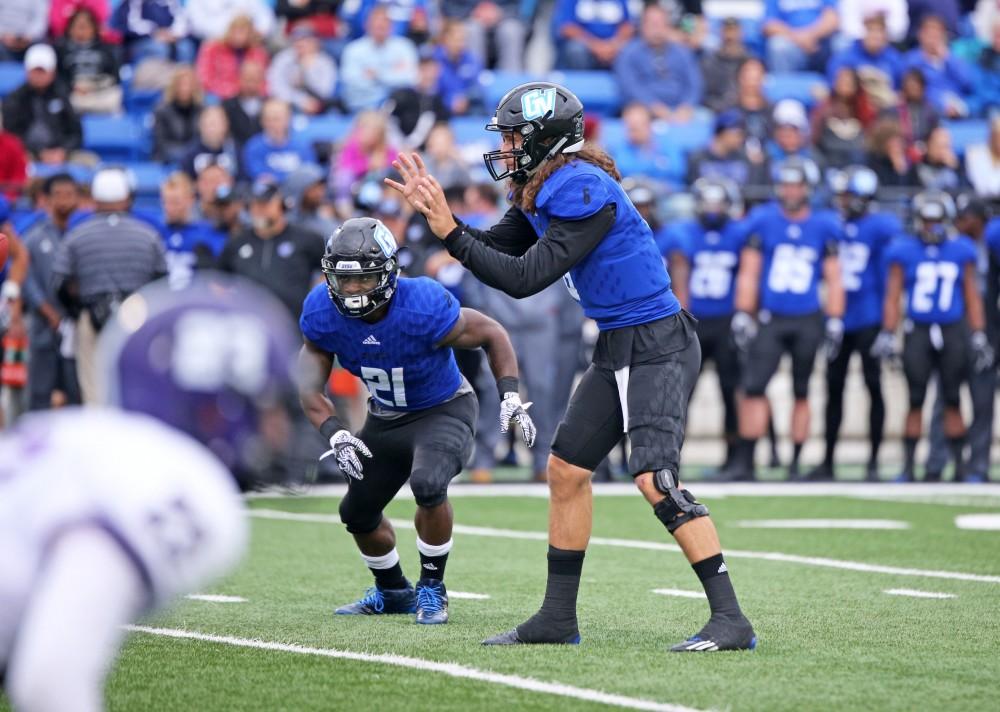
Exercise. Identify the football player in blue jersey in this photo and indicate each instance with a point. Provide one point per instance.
(867, 233)
(937, 269)
(712, 244)
(570, 218)
(790, 249)
(397, 335)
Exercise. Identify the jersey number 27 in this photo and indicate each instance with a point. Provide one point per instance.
(929, 275)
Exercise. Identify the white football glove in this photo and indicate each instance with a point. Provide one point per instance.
(511, 408)
(884, 348)
(345, 447)
(982, 352)
(744, 328)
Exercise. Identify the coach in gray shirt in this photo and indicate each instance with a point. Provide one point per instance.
(101, 261)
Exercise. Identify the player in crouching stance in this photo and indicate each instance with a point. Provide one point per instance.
(397, 335)
(108, 513)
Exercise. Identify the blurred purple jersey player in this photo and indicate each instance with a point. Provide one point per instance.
(397, 336)
(108, 512)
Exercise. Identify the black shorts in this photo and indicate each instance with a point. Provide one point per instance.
(926, 352)
(716, 337)
(653, 368)
(427, 447)
(798, 336)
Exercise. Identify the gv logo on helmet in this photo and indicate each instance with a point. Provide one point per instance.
(537, 103)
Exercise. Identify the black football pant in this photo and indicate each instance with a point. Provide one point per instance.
(859, 341)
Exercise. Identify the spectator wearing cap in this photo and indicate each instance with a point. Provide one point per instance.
(949, 79)
(303, 74)
(458, 82)
(275, 151)
(982, 164)
(24, 23)
(39, 112)
(939, 168)
(839, 121)
(156, 29)
(88, 66)
(367, 151)
(243, 110)
(656, 71)
(213, 144)
(798, 33)
(282, 258)
(374, 65)
(878, 64)
(211, 19)
(413, 111)
(175, 121)
(101, 261)
(720, 69)
(791, 133)
(52, 367)
(640, 154)
(305, 197)
(590, 33)
(492, 23)
(191, 244)
(230, 211)
(726, 155)
(219, 60)
(855, 15)
(971, 219)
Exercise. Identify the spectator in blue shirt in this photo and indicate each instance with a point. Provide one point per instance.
(458, 83)
(376, 64)
(590, 33)
(496, 23)
(409, 18)
(949, 79)
(275, 152)
(877, 63)
(657, 72)
(640, 154)
(798, 33)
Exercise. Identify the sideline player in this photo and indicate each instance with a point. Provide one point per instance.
(790, 248)
(866, 235)
(397, 335)
(106, 513)
(937, 269)
(570, 216)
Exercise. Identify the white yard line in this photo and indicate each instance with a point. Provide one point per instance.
(820, 524)
(658, 546)
(469, 596)
(214, 598)
(450, 669)
(679, 593)
(917, 594)
(980, 522)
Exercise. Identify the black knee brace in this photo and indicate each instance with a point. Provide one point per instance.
(679, 506)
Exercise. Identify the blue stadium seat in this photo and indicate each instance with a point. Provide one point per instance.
(326, 127)
(597, 90)
(140, 102)
(496, 84)
(116, 138)
(470, 129)
(11, 77)
(148, 176)
(967, 133)
(81, 174)
(794, 85)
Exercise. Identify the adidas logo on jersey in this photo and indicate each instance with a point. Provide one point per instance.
(371, 341)
(722, 568)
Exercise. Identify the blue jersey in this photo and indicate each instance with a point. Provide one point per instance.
(623, 281)
(862, 250)
(933, 277)
(991, 235)
(714, 256)
(397, 357)
(188, 247)
(793, 252)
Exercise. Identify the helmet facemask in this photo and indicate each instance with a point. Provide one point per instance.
(378, 282)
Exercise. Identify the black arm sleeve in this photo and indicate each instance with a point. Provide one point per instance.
(565, 243)
(513, 235)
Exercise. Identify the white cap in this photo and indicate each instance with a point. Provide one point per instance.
(110, 185)
(789, 112)
(40, 56)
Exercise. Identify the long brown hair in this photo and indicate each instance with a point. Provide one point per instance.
(524, 195)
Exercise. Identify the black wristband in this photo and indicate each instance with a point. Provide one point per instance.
(330, 426)
(452, 236)
(507, 384)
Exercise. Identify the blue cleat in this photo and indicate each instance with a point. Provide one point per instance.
(377, 602)
(720, 634)
(432, 602)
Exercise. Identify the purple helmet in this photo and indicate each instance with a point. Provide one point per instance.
(215, 361)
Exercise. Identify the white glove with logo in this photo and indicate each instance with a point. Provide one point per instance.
(511, 408)
(345, 447)
(744, 328)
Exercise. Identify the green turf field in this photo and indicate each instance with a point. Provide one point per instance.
(830, 638)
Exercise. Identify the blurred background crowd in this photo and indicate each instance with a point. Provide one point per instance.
(143, 138)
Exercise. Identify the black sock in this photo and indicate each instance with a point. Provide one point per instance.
(747, 449)
(390, 578)
(957, 447)
(796, 451)
(714, 577)
(909, 453)
(556, 620)
(432, 567)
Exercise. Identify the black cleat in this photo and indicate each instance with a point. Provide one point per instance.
(871, 472)
(511, 637)
(736, 473)
(820, 473)
(932, 476)
(720, 634)
(432, 602)
(378, 601)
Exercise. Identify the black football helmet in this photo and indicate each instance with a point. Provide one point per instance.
(933, 216)
(854, 189)
(362, 250)
(547, 116)
(717, 200)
